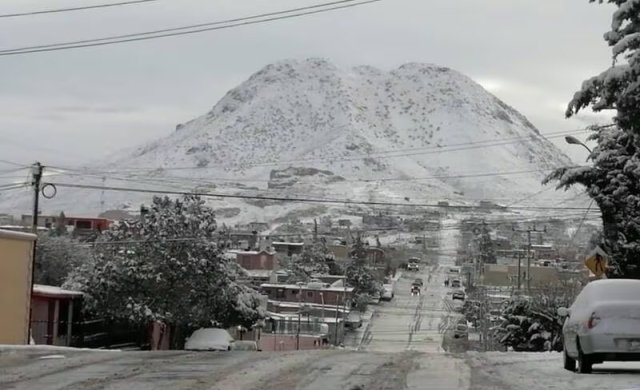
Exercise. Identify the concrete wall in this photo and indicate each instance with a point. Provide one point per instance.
(257, 261)
(507, 275)
(15, 286)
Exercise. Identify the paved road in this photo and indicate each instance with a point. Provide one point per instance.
(301, 370)
(417, 323)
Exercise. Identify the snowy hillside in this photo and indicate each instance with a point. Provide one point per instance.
(420, 133)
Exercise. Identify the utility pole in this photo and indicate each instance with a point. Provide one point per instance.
(299, 317)
(529, 231)
(36, 171)
(519, 269)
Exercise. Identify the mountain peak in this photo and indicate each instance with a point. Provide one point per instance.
(416, 132)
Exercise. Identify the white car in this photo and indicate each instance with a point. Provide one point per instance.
(209, 339)
(603, 324)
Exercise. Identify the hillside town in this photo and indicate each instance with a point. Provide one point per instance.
(306, 276)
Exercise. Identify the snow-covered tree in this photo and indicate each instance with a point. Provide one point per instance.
(57, 257)
(360, 275)
(166, 266)
(531, 326)
(613, 182)
(314, 259)
(532, 323)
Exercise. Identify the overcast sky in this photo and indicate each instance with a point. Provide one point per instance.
(71, 107)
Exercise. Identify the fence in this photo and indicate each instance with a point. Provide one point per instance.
(87, 334)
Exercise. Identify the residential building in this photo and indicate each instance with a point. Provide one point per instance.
(6, 219)
(259, 266)
(314, 293)
(79, 225)
(288, 248)
(258, 226)
(53, 311)
(376, 258)
(16, 249)
(544, 251)
(507, 275)
(340, 252)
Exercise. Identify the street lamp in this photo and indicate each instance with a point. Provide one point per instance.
(571, 140)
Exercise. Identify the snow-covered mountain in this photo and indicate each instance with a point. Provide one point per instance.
(418, 134)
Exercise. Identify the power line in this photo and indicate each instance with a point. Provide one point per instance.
(14, 163)
(286, 199)
(166, 179)
(436, 149)
(87, 7)
(231, 23)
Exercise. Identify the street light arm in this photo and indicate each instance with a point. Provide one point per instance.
(571, 140)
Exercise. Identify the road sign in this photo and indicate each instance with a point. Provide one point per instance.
(597, 261)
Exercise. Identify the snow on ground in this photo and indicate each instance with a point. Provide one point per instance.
(518, 370)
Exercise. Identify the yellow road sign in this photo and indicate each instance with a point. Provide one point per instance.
(597, 261)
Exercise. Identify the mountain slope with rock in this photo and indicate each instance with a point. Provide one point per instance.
(417, 134)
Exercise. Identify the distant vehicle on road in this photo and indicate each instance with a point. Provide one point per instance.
(418, 282)
(454, 270)
(458, 295)
(455, 283)
(415, 290)
(461, 331)
(413, 264)
(602, 324)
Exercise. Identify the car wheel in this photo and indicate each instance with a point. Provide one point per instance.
(569, 362)
(585, 364)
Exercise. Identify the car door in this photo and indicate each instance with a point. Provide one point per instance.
(574, 321)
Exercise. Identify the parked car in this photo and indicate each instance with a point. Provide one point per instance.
(388, 293)
(458, 295)
(209, 339)
(602, 324)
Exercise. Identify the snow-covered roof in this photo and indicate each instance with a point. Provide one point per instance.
(340, 307)
(241, 252)
(258, 273)
(10, 234)
(304, 287)
(55, 292)
(288, 243)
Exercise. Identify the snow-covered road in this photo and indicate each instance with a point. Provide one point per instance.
(401, 350)
(517, 370)
(303, 370)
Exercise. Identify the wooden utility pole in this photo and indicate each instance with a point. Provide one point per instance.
(36, 172)
(529, 231)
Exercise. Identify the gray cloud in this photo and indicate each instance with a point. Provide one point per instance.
(533, 54)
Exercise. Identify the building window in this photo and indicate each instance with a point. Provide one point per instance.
(83, 224)
(280, 293)
(309, 294)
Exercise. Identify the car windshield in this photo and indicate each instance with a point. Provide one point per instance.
(616, 290)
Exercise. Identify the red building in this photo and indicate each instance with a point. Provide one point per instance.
(52, 314)
(317, 293)
(79, 225)
(254, 260)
